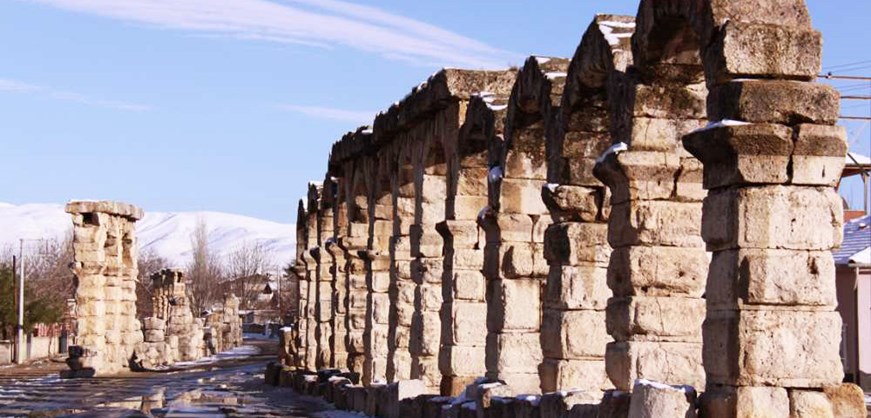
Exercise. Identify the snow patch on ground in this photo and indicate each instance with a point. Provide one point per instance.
(236, 353)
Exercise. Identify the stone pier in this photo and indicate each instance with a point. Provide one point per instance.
(462, 357)
(104, 263)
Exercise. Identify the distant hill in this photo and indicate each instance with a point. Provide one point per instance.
(168, 234)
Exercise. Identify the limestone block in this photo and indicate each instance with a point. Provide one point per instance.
(774, 101)
(559, 374)
(522, 196)
(779, 348)
(638, 175)
(763, 51)
(574, 243)
(399, 391)
(576, 203)
(513, 354)
(819, 155)
(519, 260)
(667, 101)
(469, 285)
(664, 223)
(807, 404)
(660, 135)
(513, 227)
(744, 402)
(514, 305)
(776, 217)
(155, 336)
(426, 333)
(658, 271)
(559, 404)
(577, 287)
(669, 362)
(656, 400)
(573, 334)
(468, 259)
(653, 318)
(689, 185)
(380, 282)
(380, 308)
(468, 321)
(742, 154)
(771, 277)
(848, 400)
(457, 360)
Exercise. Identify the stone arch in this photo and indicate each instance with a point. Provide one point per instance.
(573, 333)
(514, 263)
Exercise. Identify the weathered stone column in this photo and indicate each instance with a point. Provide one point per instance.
(772, 217)
(426, 243)
(515, 221)
(300, 267)
(657, 268)
(350, 157)
(105, 257)
(311, 263)
(462, 356)
(172, 305)
(339, 276)
(574, 334)
(324, 306)
(377, 258)
(402, 287)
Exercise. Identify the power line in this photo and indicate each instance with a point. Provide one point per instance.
(851, 64)
(831, 76)
(855, 117)
(855, 97)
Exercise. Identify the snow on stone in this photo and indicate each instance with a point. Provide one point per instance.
(663, 386)
(862, 257)
(542, 60)
(168, 234)
(552, 187)
(614, 149)
(721, 124)
(615, 24)
(553, 75)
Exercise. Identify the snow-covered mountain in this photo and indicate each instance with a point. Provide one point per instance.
(167, 234)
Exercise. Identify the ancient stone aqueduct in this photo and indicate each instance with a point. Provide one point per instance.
(661, 207)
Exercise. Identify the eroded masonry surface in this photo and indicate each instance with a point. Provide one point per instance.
(643, 229)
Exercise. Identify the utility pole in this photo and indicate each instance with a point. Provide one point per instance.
(19, 358)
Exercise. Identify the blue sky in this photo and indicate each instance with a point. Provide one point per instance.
(232, 105)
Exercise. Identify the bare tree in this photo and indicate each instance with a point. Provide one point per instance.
(204, 271)
(248, 266)
(149, 264)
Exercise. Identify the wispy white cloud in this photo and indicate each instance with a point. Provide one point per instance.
(307, 22)
(352, 116)
(14, 86)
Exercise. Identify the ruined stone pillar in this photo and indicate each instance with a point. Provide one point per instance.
(171, 304)
(515, 222)
(105, 257)
(772, 216)
(311, 264)
(378, 266)
(351, 152)
(402, 288)
(339, 277)
(657, 268)
(301, 327)
(574, 335)
(324, 275)
(426, 243)
(462, 356)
